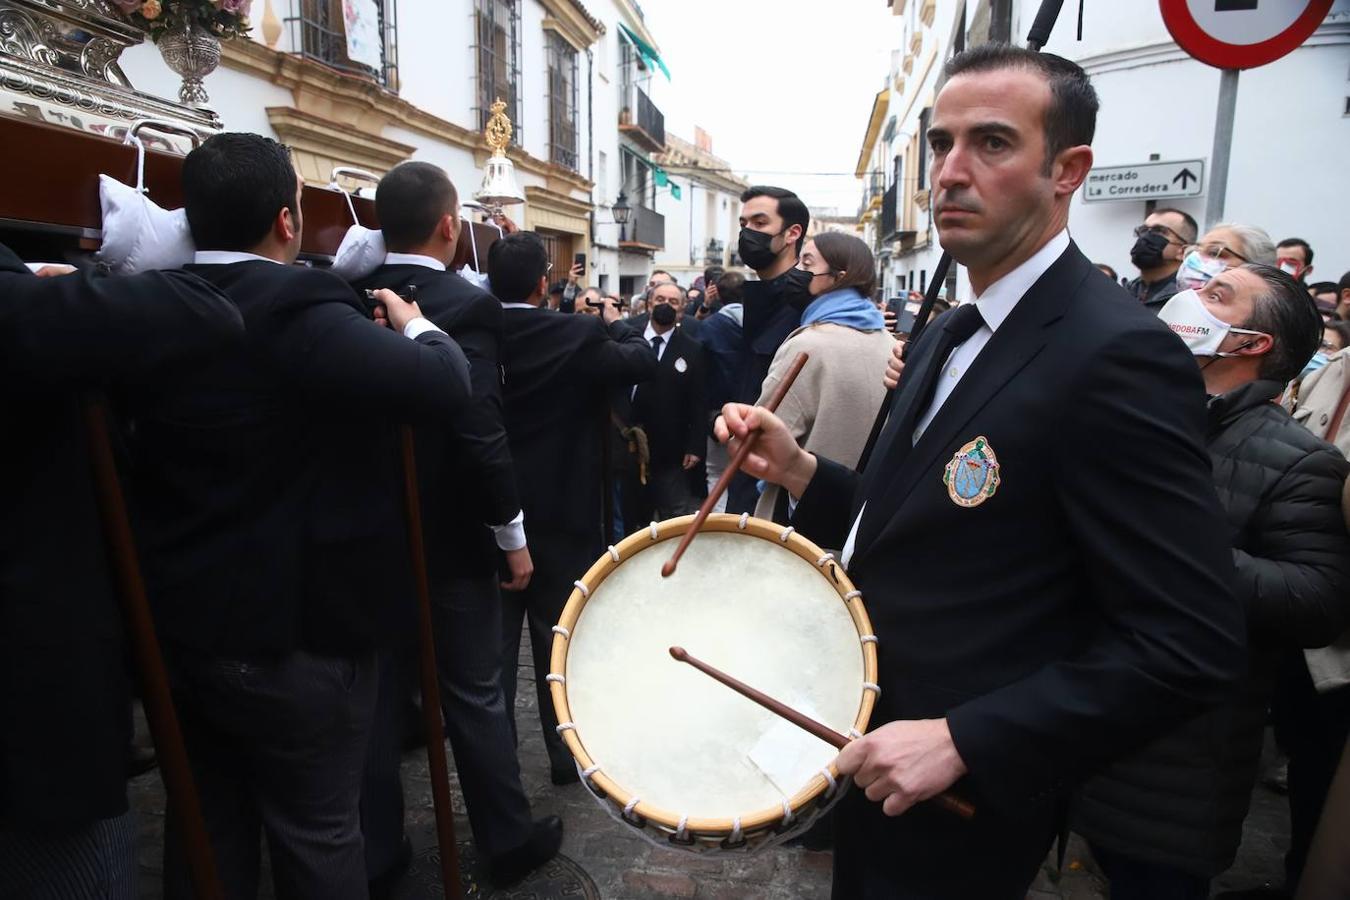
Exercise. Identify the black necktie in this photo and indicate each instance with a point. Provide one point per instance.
(657, 341)
(957, 328)
(898, 437)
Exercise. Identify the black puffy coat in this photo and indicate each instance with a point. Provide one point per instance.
(1180, 801)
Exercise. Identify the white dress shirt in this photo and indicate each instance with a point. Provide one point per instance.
(225, 257)
(649, 334)
(665, 339)
(413, 259)
(995, 304)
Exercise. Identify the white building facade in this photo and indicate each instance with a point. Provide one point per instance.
(1286, 175)
(577, 81)
(701, 205)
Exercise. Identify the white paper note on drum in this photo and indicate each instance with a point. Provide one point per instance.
(785, 751)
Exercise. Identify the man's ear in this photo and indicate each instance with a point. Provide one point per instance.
(1261, 344)
(794, 234)
(1071, 169)
(285, 225)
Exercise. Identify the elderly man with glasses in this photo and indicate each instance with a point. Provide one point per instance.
(1157, 254)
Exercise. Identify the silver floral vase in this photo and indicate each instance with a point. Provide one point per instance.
(191, 52)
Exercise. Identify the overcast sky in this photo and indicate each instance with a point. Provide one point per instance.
(783, 88)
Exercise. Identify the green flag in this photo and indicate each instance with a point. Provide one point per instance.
(675, 191)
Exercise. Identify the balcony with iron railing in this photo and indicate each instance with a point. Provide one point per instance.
(646, 230)
(640, 120)
(874, 186)
(887, 215)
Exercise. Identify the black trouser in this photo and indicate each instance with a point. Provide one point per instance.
(276, 744)
(94, 861)
(560, 558)
(666, 494)
(1312, 728)
(1136, 879)
(466, 614)
(927, 854)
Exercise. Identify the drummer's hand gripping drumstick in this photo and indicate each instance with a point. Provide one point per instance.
(948, 802)
(732, 468)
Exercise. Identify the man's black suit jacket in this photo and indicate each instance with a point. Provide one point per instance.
(672, 408)
(267, 479)
(65, 693)
(464, 466)
(1086, 605)
(559, 370)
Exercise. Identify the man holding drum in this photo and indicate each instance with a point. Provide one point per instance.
(1036, 536)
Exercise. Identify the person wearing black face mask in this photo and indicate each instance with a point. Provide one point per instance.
(672, 410)
(1159, 246)
(773, 229)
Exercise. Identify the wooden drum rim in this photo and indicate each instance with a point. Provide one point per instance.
(761, 529)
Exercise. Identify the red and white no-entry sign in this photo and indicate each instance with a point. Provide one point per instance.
(1242, 34)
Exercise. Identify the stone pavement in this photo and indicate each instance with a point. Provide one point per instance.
(623, 866)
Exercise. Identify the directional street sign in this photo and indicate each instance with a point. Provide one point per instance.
(1146, 181)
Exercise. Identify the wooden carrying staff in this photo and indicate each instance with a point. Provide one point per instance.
(732, 468)
(431, 693)
(948, 802)
(159, 711)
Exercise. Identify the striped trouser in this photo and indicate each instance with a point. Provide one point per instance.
(96, 862)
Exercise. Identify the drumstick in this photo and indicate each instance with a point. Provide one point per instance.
(732, 468)
(952, 804)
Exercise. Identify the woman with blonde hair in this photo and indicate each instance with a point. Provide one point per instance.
(831, 405)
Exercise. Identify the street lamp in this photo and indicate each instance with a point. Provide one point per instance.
(621, 211)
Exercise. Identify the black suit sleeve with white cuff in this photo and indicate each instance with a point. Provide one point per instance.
(472, 504)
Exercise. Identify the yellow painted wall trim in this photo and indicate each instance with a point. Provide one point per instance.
(879, 106)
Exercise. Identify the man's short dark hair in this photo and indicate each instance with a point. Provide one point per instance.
(234, 185)
(515, 265)
(1190, 230)
(1071, 117)
(790, 207)
(730, 288)
(411, 201)
(1344, 283)
(1323, 287)
(1297, 242)
(712, 273)
(1286, 313)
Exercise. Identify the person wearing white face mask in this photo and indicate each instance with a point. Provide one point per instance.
(1167, 819)
(1223, 247)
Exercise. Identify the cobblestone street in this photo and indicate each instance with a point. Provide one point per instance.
(623, 866)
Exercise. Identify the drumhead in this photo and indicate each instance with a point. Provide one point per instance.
(672, 736)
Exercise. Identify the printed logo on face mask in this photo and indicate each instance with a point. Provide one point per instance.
(1188, 317)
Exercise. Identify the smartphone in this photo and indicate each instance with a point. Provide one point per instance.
(579, 260)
